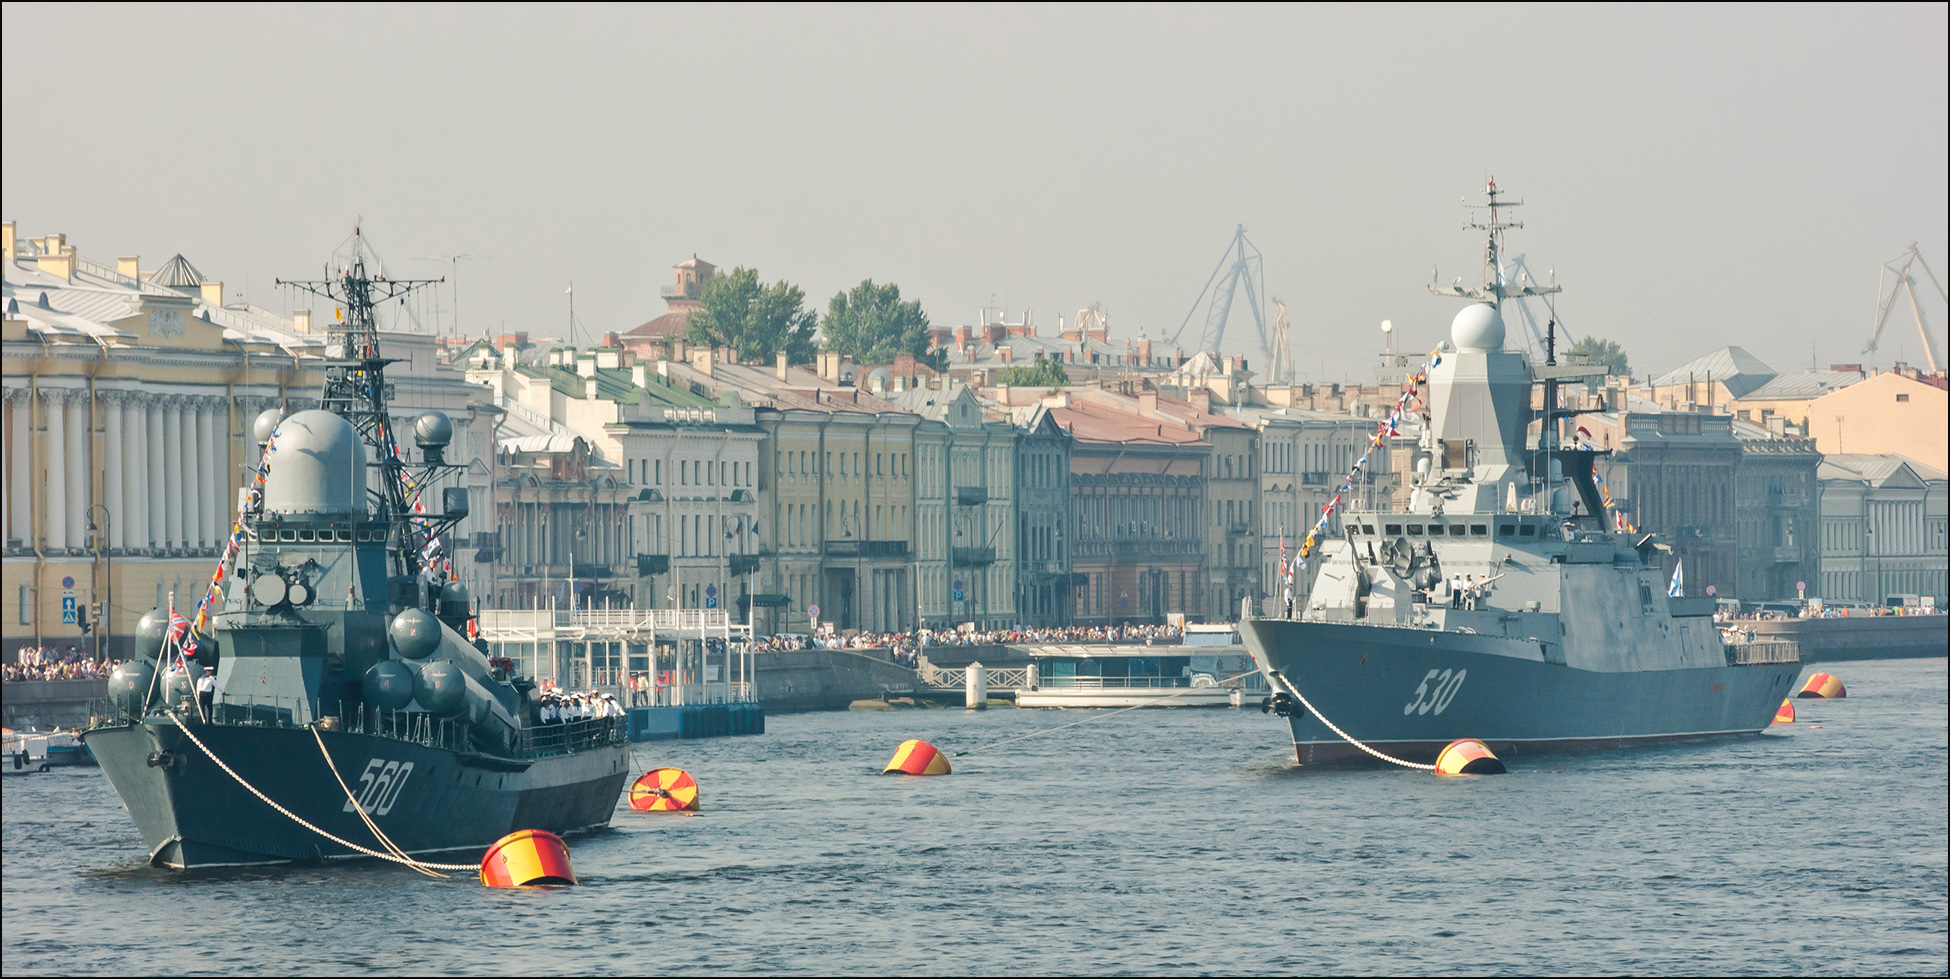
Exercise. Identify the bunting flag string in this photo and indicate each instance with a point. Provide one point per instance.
(1391, 425)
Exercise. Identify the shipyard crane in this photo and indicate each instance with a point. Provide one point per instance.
(1282, 345)
(1240, 265)
(1516, 269)
(1906, 284)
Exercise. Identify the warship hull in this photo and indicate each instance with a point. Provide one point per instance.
(1409, 692)
(429, 800)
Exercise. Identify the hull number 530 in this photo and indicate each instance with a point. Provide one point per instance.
(379, 786)
(1435, 692)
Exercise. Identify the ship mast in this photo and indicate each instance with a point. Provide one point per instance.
(355, 381)
(1495, 288)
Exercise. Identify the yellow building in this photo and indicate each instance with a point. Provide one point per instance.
(1885, 413)
(126, 401)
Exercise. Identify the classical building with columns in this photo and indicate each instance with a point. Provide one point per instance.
(126, 399)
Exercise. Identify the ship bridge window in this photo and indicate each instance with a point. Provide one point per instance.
(1527, 530)
(290, 535)
(306, 535)
(1415, 530)
(1435, 530)
(1367, 528)
(1393, 529)
(1479, 530)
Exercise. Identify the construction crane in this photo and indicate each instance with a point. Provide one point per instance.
(1282, 345)
(1241, 265)
(1906, 284)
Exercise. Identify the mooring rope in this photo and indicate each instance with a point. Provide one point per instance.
(1295, 691)
(377, 833)
(294, 817)
(1052, 730)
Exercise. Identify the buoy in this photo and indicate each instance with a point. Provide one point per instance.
(1823, 686)
(664, 790)
(528, 858)
(915, 757)
(1468, 757)
(1786, 714)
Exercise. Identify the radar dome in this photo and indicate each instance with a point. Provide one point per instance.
(433, 429)
(318, 466)
(266, 423)
(1478, 327)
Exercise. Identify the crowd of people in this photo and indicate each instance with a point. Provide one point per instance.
(555, 707)
(50, 663)
(906, 645)
(1819, 610)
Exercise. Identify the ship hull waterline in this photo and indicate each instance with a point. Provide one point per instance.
(192, 814)
(1410, 692)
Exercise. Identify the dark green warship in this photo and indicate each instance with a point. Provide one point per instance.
(350, 716)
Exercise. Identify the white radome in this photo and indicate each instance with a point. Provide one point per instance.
(1478, 327)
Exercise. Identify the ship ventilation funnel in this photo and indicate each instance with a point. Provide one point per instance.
(1822, 686)
(915, 757)
(664, 790)
(317, 467)
(1468, 757)
(1786, 714)
(528, 858)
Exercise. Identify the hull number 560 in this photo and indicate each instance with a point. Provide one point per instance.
(1435, 692)
(379, 786)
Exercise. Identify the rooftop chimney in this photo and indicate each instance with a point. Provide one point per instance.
(129, 265)
(703, 359)
(213, 293)
(782, 366)
(300, 318)
(1148, 403)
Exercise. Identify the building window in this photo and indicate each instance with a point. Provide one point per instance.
(1902, 398)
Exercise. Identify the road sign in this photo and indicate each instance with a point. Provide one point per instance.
(1801, 590)
(67, 582)
(711, 590)
(812, 611)
(958, 585)
(68, 615)
(710, 603)
(1712, 591)
(958, 595)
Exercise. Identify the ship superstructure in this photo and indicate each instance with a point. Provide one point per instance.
(1506, 601)
(349, 704)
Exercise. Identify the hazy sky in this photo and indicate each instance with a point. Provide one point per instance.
(1696, 175)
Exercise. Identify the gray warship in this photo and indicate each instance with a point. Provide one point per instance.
(347, 695)
(1565, 636)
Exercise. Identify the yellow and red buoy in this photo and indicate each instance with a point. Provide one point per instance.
(1823, 686)
(1786, 714)
(664, 790)
(915, 757)
(1468, 757)
(528, 858)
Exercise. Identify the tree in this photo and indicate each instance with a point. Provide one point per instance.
(1046, 373)
(1606, 352)
(757, 321)
(871, 323)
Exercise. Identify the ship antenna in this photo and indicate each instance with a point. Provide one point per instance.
(355, 373)
(1488, 218)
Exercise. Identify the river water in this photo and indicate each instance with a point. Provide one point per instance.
(1177, 841)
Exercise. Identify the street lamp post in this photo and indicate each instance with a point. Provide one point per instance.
(104, 625)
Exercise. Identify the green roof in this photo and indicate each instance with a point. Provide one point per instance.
(616, 384)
